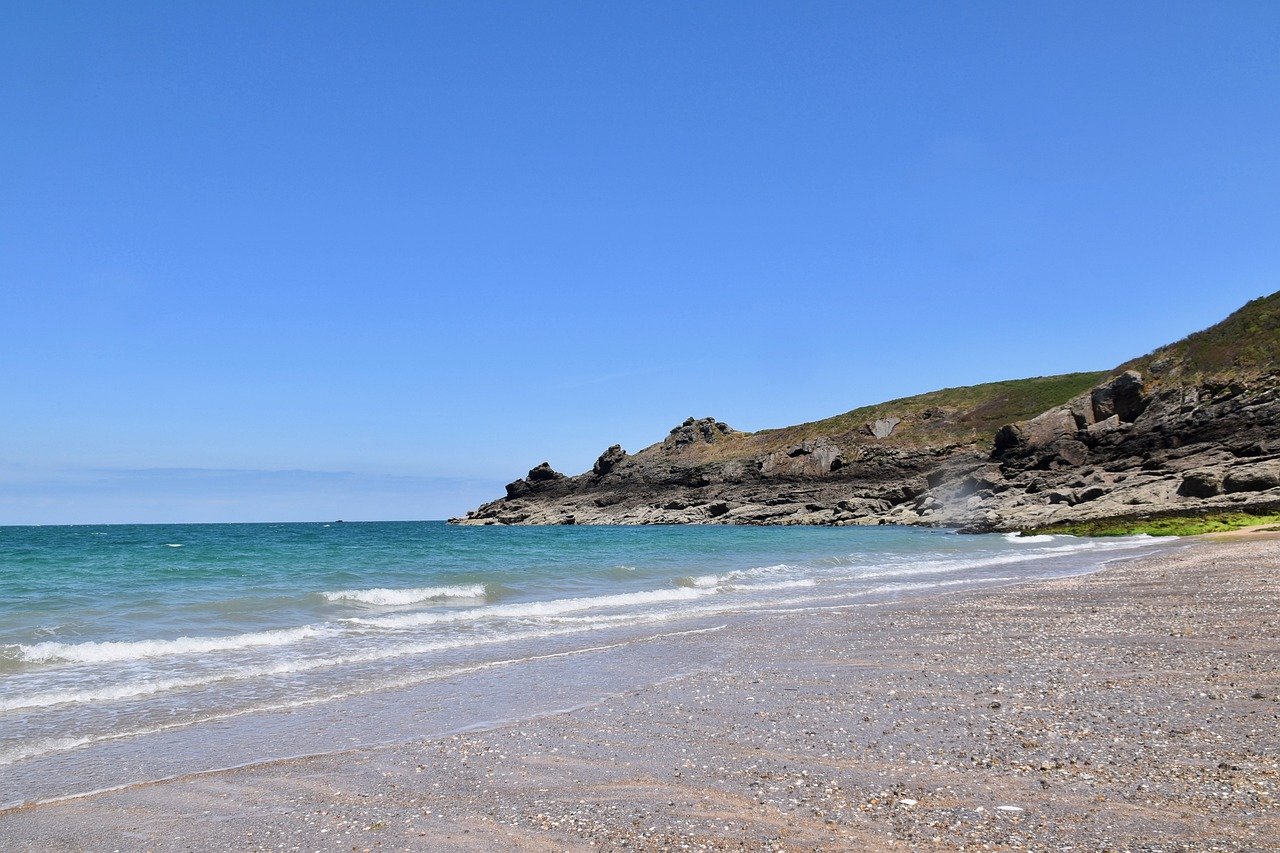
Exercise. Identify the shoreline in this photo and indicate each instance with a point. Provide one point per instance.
(999, 717)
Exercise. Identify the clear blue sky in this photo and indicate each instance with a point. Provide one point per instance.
(373, 260)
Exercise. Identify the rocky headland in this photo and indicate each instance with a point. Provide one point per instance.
(1191, 428)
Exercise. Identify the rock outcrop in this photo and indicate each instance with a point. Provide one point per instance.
(1194, 426)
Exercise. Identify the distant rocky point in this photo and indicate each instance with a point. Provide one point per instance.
(1192, 427)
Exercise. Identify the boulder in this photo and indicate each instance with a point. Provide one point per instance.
(928, 503)
(1200, 484)
(1253, 479)
(543, 473)
(882, 427)
(1008, 437)
(1122, 396)
(1081, 409)
(1041, 430)
(1090, 494)
(981, 480)
(863, 506)
(1104, 426)
(1070, 454)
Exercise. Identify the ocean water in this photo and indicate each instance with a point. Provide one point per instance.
(136, 652)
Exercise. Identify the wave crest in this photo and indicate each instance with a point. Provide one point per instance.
(109, 651)
(385, 597)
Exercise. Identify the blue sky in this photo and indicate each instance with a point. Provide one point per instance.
(295, 261)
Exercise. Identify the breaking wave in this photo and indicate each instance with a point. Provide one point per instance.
(398, 597)
(110, 651)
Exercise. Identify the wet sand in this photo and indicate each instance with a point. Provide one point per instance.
(1132, 709)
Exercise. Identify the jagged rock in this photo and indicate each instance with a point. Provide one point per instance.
(896, 493)
(1007, 438)
(1121, 396)
(1200, 484)
(542, 473)
(863, 506)
(1104, 426)
(1184, 438)
(696, 478)
(928, 503)
(1090, 494)
(1254, 448)
(984, 480)
(811, 458)
(608, 460)
(1070, 454)
(705, 429)
(1037, 432)
(882, 427)
(1081, 409)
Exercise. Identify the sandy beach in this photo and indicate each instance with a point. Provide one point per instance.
(1132, 709)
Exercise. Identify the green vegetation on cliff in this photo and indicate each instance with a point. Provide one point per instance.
(954, 415)
(1247, 343)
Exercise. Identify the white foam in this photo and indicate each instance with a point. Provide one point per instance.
(396, 597)
(536, 609)
(108, 651)
(708, 581)
(31, 749)
(942, 565)
(172, 545)
(1019, 539)
(939, 564)
(115, 692)
(767, 587)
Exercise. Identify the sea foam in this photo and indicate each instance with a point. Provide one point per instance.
(386, 597)
(535, 609)
(109, 651)
(1019, 539)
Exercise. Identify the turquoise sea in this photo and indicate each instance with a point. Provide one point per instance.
(134, 652)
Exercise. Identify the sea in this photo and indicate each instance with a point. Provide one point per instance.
(131, 653)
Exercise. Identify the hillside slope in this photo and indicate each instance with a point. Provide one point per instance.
(1189, 427)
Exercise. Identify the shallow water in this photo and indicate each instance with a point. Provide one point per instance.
(130, 653)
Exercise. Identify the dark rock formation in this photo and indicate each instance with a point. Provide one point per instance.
(543, 472)
(1194, 426)
(608, 460)
(1257, 478)
(1200, 484)
(706, 430)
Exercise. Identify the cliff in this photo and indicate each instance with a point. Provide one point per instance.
(1192, 427)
